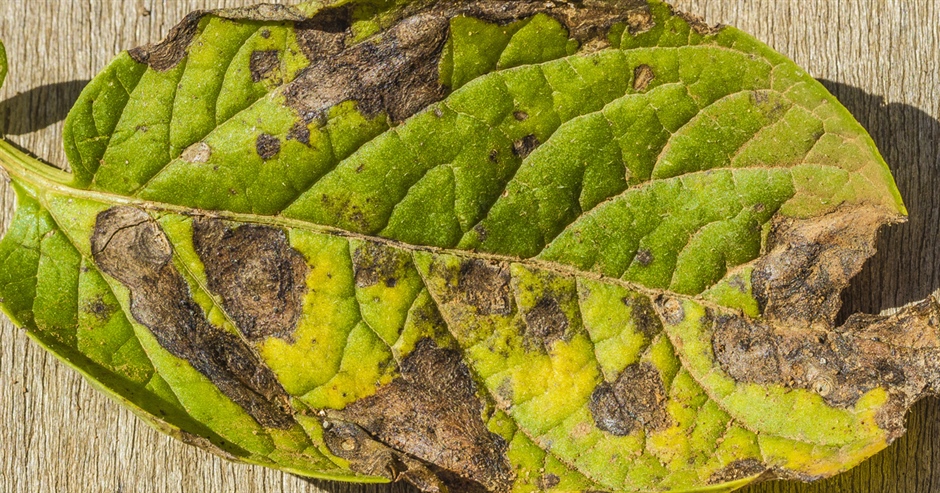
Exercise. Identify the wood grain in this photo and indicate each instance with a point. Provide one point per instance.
(880, 57)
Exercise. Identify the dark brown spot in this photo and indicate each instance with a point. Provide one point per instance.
(548, 481)
(267, 146)
(644, 315)
(485, 286)
(433, 413)
(747, 352)
(590, 21)
(494, 156)
(800, 280)
(642, 77)
(374, 263)
(207, 444)
(644, 257)
(264, 12)
(365, 454)
(394, 74)
(128, 245)
(259, 276)
(99, 309)
(481, 232)
(166, 54)
(520, 116)
(262, 63)
(396, 71)
(300, 133)
(739, 469)
(636, 399)
(505, 392)
(524, 146)
(546, 322)
(330, 20)
(737, 282)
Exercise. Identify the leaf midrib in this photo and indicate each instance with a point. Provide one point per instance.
(47, 180)
(55, 188)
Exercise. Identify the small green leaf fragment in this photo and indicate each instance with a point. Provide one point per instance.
(3, 64)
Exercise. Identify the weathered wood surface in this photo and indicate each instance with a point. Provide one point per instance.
(880, 57)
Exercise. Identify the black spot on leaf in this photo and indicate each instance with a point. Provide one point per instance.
(548, 481)
(300, 133)
(524, 146)
(644, 257)
(268, 146)
(739, 469)
(644, 315)
(374, 263)
(397, 72)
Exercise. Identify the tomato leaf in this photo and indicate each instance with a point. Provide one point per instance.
(483, 246)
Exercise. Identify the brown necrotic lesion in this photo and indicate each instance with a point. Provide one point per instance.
(484, 285)
(797, 343)
(260, 278)
(377, 264)
(636, 400)
(426, 427)
(397, 71)
(128, 245)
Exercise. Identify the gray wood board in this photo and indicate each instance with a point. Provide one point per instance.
(880, 57)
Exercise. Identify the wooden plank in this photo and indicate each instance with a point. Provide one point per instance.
(879, 57)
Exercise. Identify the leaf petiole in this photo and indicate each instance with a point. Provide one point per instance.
(27, 168)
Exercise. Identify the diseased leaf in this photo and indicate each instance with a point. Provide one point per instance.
(476, 246)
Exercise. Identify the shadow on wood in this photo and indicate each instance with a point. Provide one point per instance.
(39, 107)
(906, 268)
